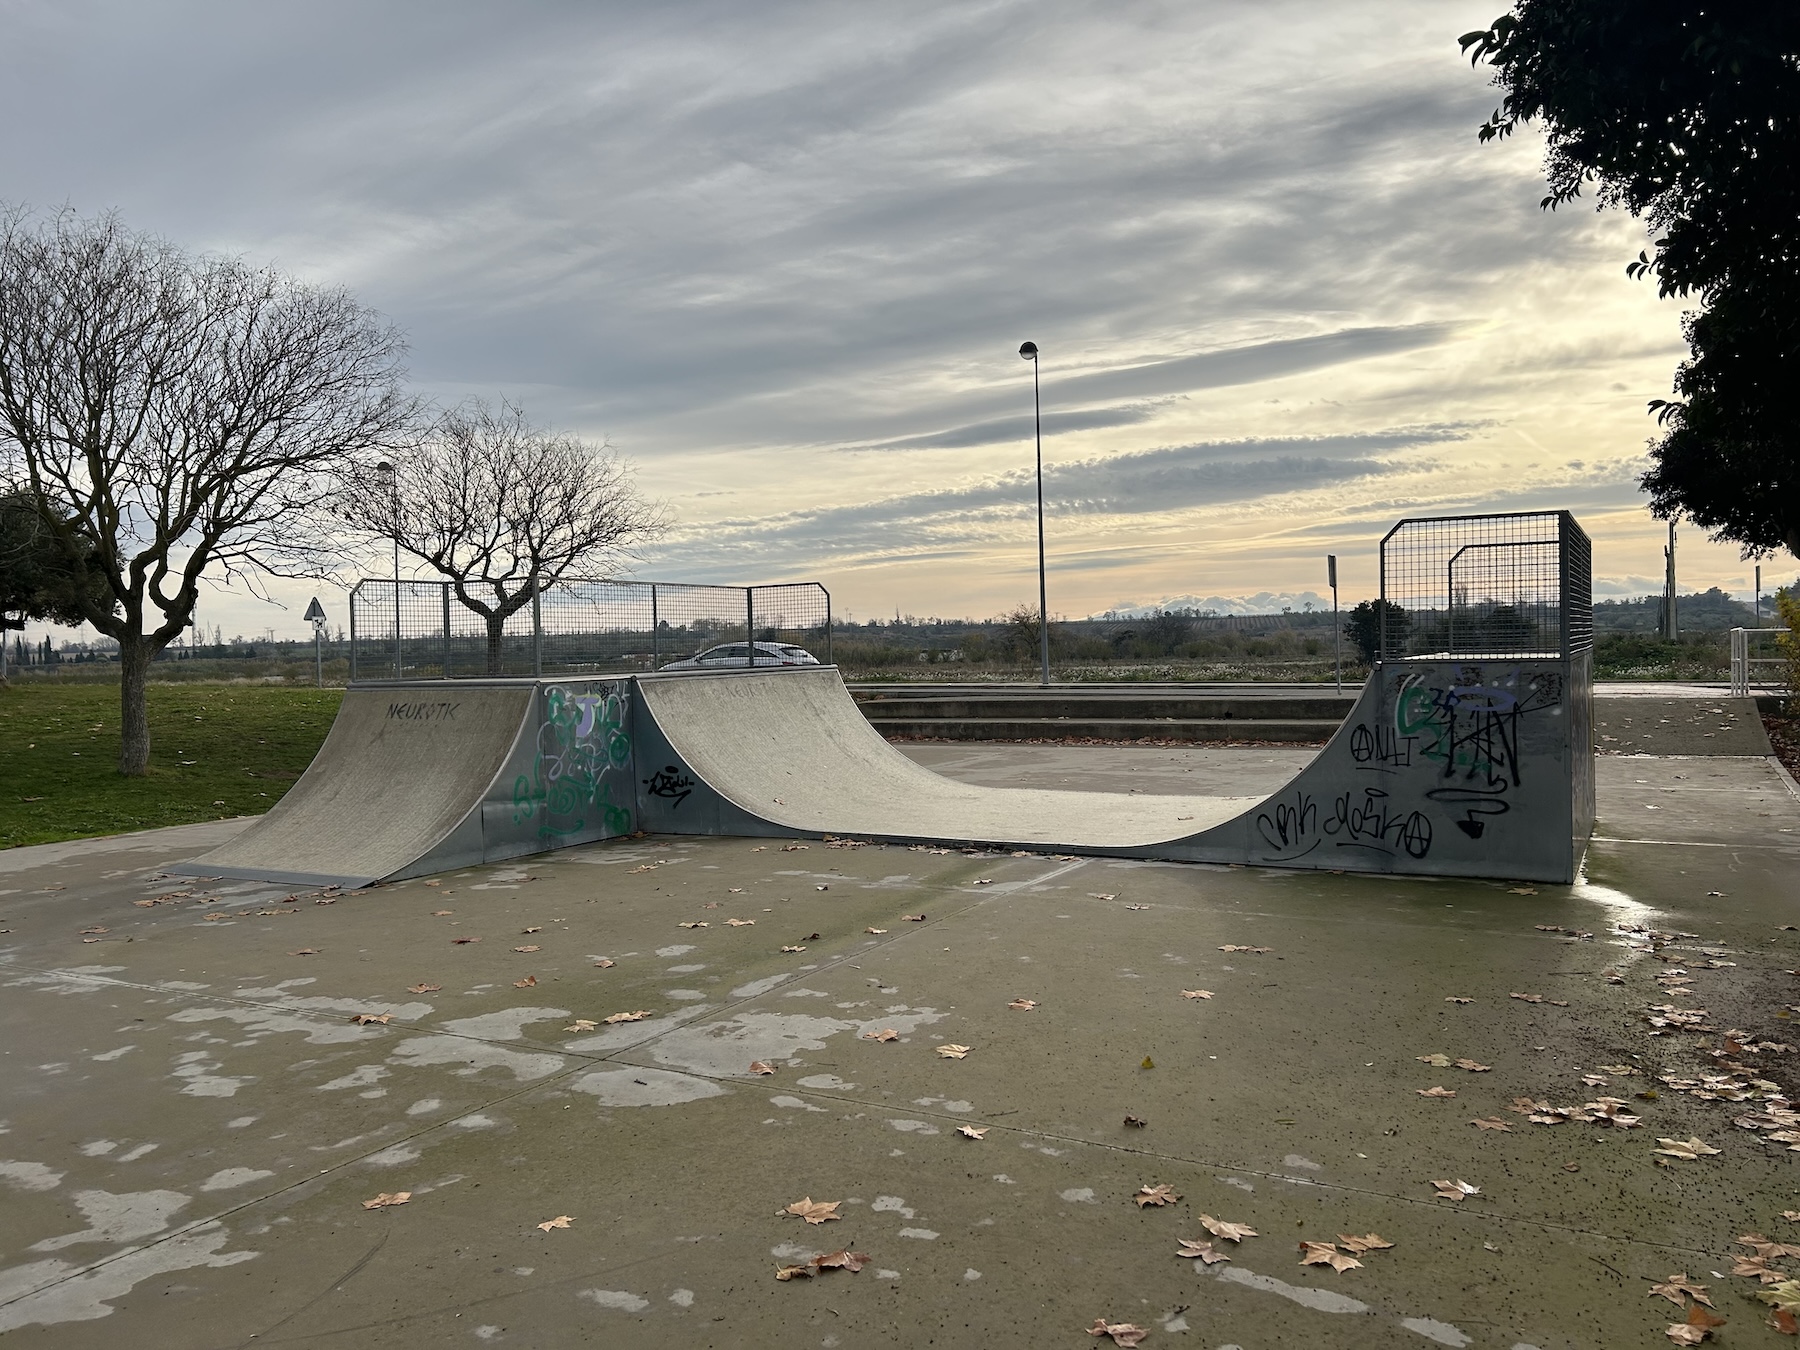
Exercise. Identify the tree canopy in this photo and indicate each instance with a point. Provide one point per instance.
(36, 580)
(1686, 113)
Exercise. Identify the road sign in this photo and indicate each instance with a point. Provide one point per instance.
(315, 612)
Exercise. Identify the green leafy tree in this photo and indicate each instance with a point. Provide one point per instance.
(1363, 627)
(1687, 115)
(37, 581)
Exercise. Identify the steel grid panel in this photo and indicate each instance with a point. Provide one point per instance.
(576, 626)
(1518, 584)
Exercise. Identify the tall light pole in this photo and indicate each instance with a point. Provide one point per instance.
(1030, 352)
(393, 481)
(1337, 629)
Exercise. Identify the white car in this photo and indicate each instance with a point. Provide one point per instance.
(736, 655)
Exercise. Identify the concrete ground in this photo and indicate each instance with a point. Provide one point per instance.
(196, 1107)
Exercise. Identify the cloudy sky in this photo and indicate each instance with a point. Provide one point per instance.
(782, 256)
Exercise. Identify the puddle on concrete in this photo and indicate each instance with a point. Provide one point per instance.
(118, 1218)
(230, 1178)
(268, 1021)
(54, 1292)
(1321, 1300)
(645, 1087)
(1441, 1332)
(508, 1024)
(29, 1176)
(472, 1056)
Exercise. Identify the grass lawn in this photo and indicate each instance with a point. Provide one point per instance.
(215, 750)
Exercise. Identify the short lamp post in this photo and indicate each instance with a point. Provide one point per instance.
(1029, 351)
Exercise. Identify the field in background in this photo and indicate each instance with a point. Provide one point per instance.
(217, 750)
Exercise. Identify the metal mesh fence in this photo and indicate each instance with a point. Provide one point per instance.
(425, 630)
(1501, 585)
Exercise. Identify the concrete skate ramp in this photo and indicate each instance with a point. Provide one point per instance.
(401, 769)
(791, 750)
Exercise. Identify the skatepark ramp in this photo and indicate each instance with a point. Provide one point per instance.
(1468, 753)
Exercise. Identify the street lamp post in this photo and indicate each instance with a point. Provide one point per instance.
(393, 480)
(1337, 629)
(1029, 351)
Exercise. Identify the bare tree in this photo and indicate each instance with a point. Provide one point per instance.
(168, 415)
(501, 509)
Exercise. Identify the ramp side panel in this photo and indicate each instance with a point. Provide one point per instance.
(400, 768)
(1465, 768)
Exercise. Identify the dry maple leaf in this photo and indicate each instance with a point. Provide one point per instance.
(1677, 1289)
(1136, 1122)
(842, 1260)
(1698, 1327)
(528, 948)
(1472, 1066)
(1259, 951)
(913, 918)
(423, 988)
(1755, 1268)
(1232, 1232)
(1454, 999)
(691, 924)
(1493, 1123)
(1023, 1004)
(605, 963)
(1204, 1252)
(387, 1198)
(877, 931)
(1784, 1297)
(794, 1272)
(463, 941)
(560, 1221)
(1196, 993)
(954, 1051)
(529, 982)
(973, 1131)
(1122, 1333)
(1101, 895)
(761, 1066)
(814, 1211)
(1455, 1190)
(888, 1034)
(363, 1019)
(1527, 998)
(1436, 1061)
(1137, 907)
(305, 951)
(1155, 1195)
(1326, 1254)
(1368, 1242)
(1435, 1092)
(740, 923)
(1791, 1215)
(637, 1016)
(1768, 1251)
(1687, 1149)
(442, 913)
(793, 949)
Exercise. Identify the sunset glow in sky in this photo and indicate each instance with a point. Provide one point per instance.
(782, 256)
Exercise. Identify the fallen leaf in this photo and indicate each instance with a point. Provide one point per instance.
(1023, 1004)
(876, 931)
(442, 913)
(387, 1198)
(1437, 1061)
(96, 930)
(1784, 1296)
(793, 949)
(954, 1051)
(1137, 907)
(581, 1024)
(423, 988)
(1201, 1251)
(974, 1132)
(1698, 1327)
(305, 951)
(740, 923)
(1455, 1190)
(1368, 1242)
(463, 941)
(1101, 895)
(1521, 890)
(1148, 1063)
(528, 949)
(637, 1016)
(560, 1221)
(1122, 1333)
(538, 929)
(821, 888)
(761, 1066)
(913, 918)
(1232, 1232)
(982, 881)
(1454, 999)
(691, 925)
(814, 1211)
(842, 1260)
(604, 964)
(1785, 1322)
(1436, 1092)
(529, 982)
(1326, 1254)
(1686, 1149)
(1791, 1215)
(1260, 951)
(1155, 1195)
(1677, 1289)
(1136, 1122)
(1492, 1124)
(887, 1035)
(794, 1273)
(1196, 993)
(1473, 1067)
(363, 1019)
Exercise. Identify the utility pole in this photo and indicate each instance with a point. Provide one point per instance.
(1029, 351)
(1759, 595)
(1670, 627)
(1337, 629)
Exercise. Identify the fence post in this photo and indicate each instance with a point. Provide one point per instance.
(828, 660)
(655, 636)
(750, 624)
(1740, 673)
(446, 590)
(398, 670)
(354, 592)
(537, 629)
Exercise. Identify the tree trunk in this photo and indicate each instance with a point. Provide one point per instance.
(496, 632)
(134, 717)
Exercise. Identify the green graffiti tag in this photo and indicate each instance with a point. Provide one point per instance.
(582, 748)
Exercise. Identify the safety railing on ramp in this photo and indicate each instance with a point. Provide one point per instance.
(578, 626)
(1752, 673)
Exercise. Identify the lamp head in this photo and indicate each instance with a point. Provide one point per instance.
(384, 467)
(1028, 350)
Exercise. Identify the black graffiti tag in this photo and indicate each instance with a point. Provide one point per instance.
(1370, 823)
(1288, 825)
(670, 783)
